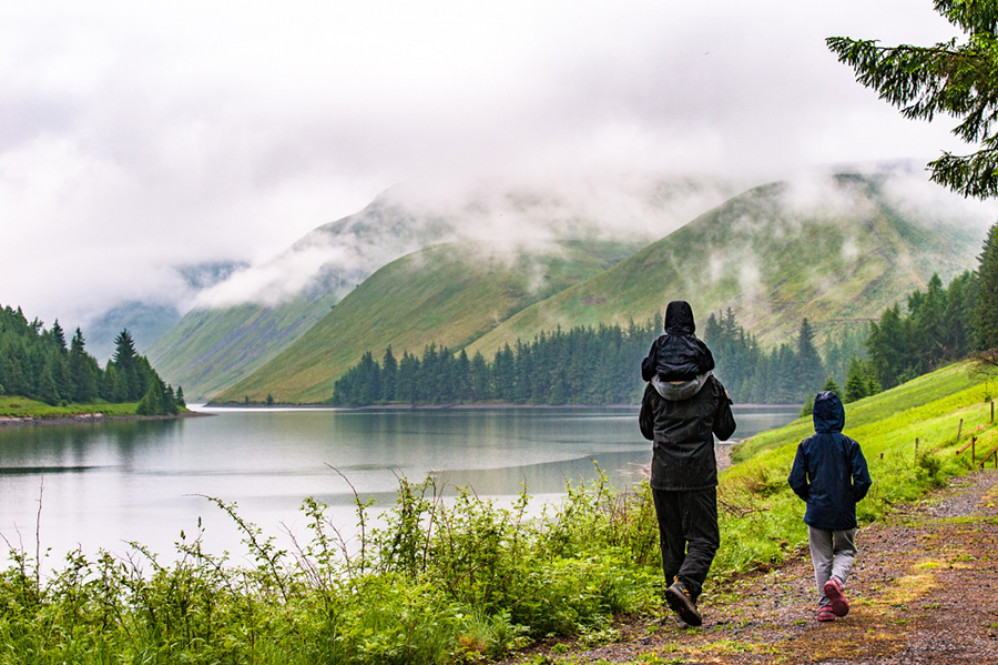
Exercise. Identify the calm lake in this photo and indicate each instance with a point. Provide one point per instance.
(102, 486)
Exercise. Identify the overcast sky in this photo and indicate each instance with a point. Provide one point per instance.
(139, 135)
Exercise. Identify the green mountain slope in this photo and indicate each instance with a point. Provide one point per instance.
(837, 252)
(448, 295)
(221, 341)
(211, 349)
(774, 260)
(240, 324)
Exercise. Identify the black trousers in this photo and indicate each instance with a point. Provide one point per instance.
(688, 535)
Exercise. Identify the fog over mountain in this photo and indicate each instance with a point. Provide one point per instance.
(408, 217)
(141, 137)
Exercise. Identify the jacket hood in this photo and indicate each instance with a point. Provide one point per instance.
(677, 391)
(679, 318)
(829, 414)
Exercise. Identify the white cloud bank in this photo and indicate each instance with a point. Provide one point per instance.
(138, 136)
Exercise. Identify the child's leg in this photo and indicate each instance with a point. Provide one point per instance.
(822, 557)
(844, 554)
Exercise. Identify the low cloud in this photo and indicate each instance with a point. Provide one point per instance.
(140, 137)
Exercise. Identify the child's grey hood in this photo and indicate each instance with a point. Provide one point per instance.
(676, 391)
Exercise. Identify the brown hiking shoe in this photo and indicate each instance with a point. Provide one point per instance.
(681, 602)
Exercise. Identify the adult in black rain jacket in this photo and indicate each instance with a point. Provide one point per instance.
(682, 409)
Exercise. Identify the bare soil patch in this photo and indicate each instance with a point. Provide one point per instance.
(924, 591)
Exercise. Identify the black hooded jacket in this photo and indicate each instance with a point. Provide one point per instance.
(682, 416)
(683, 433)
(829, 470)
(678, 355)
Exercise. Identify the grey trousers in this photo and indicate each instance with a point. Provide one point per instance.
(832, 553)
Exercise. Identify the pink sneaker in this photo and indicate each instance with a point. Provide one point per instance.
(825, 613)
(836, 600)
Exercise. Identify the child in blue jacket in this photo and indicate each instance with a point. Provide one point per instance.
(831, 475)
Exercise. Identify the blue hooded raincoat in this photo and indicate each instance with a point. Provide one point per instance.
(829, 470)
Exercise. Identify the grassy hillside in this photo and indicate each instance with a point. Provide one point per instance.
(763, 520)
(447, 295)
(771, 258)
(774, 257)
(211, 349)
(898, 403)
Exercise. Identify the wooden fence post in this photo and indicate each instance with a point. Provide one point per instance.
(959, 430)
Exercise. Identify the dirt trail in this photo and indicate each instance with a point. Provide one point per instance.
(924, 591)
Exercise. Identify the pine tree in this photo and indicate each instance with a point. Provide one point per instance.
(389, 375)
(409, 368)
(480, 379)
(961, 299)
(929, 329)
(59, 336)
(986, 311)
(856, 381)
(888, 347)
(956, 79)
(151, 403)
(809, 368)
(47, 390)
(129, 385)
(462, 378)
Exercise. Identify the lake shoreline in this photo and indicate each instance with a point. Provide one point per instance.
(459, 407)
(88, 419)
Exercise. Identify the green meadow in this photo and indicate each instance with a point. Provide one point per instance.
(463, 579)
(22, 407)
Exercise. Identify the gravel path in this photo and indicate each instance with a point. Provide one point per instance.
(924, 591)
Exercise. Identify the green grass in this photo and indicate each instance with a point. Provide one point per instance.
(462, 580)
(22, 407)
(763, 520)
(945, 384)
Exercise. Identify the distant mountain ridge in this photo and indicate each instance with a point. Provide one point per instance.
(225, 337)
(838, 262)
(446, 295)
(241, 324)
(838, 254)
(148, 321)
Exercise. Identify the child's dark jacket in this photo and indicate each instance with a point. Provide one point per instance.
(829, 470)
